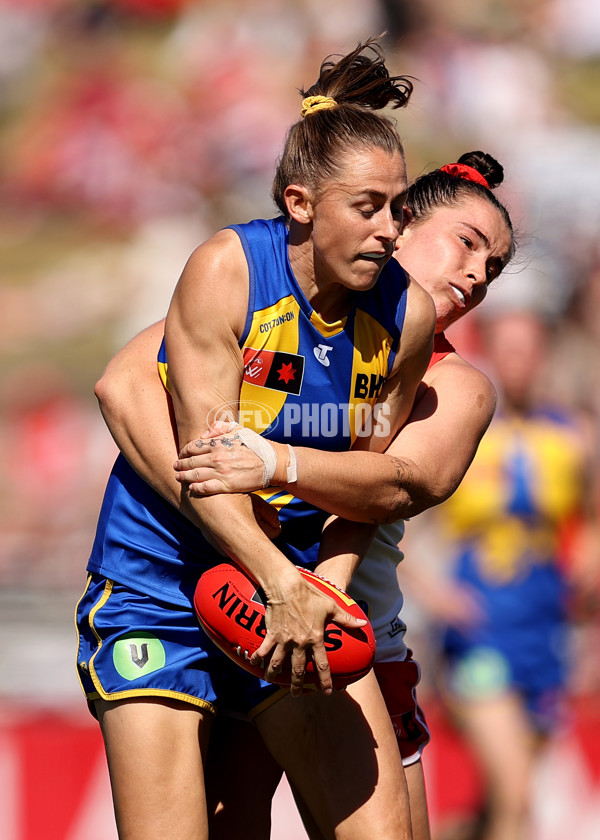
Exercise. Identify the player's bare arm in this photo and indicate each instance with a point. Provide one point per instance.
(212, 469)
(206, 318)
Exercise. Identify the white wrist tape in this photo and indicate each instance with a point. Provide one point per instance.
(266, 453)
(263, 449)
(292, 468)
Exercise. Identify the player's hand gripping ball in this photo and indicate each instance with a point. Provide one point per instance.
(231, 610)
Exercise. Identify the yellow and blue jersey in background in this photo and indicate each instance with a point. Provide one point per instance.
(305, 381)
(505, 524)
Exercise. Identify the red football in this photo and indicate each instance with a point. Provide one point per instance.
(231, 610)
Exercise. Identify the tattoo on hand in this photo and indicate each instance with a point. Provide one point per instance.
(226, 441)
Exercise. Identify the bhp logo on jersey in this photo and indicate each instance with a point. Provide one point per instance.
(274, 369)
(368, 386)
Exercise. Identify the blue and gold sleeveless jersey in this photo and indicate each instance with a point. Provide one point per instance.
(305, 382)
(505, 523)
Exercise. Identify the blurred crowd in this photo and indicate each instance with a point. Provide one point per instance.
(132, 129)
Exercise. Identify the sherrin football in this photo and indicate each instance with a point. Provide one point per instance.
(231, 610)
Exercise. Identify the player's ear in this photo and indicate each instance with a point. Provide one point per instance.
(298, 203)
(407, 218)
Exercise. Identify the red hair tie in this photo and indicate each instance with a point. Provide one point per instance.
(461, 170)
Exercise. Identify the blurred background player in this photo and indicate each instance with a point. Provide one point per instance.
(520, 535)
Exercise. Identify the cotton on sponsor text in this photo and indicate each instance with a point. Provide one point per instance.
(276, 322)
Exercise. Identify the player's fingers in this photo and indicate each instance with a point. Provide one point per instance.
(194, 447)
(193, 474)
(265, 649)
(275, 663)
(271, 528)
(190, 463)
(340, 616)
(207, 488)
(265, 513)
(299, 657)
(221, 427)
(321, 663)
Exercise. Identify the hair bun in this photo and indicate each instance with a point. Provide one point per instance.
(486, 165)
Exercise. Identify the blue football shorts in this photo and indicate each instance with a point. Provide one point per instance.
(133, 645)
(481, 672)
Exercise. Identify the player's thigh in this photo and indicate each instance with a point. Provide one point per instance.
(417, 795)
(419, 813)
(154, 750)
(500, 734)
(341, 756)
(241, 778)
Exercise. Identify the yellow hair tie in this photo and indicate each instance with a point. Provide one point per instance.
(317, 103)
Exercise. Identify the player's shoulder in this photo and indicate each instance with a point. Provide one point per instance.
(420, 312)
(217, 267)
(213, 289)
(221, 248)
(455, 372)
(419, 326)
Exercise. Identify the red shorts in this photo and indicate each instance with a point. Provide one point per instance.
(398, 682)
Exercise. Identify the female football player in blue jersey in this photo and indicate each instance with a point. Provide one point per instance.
(456, 240)
(283, 315)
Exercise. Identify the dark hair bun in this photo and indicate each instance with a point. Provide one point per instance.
(486, 165)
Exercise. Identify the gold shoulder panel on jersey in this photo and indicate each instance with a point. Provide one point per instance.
(372, 345)
(274, 328)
